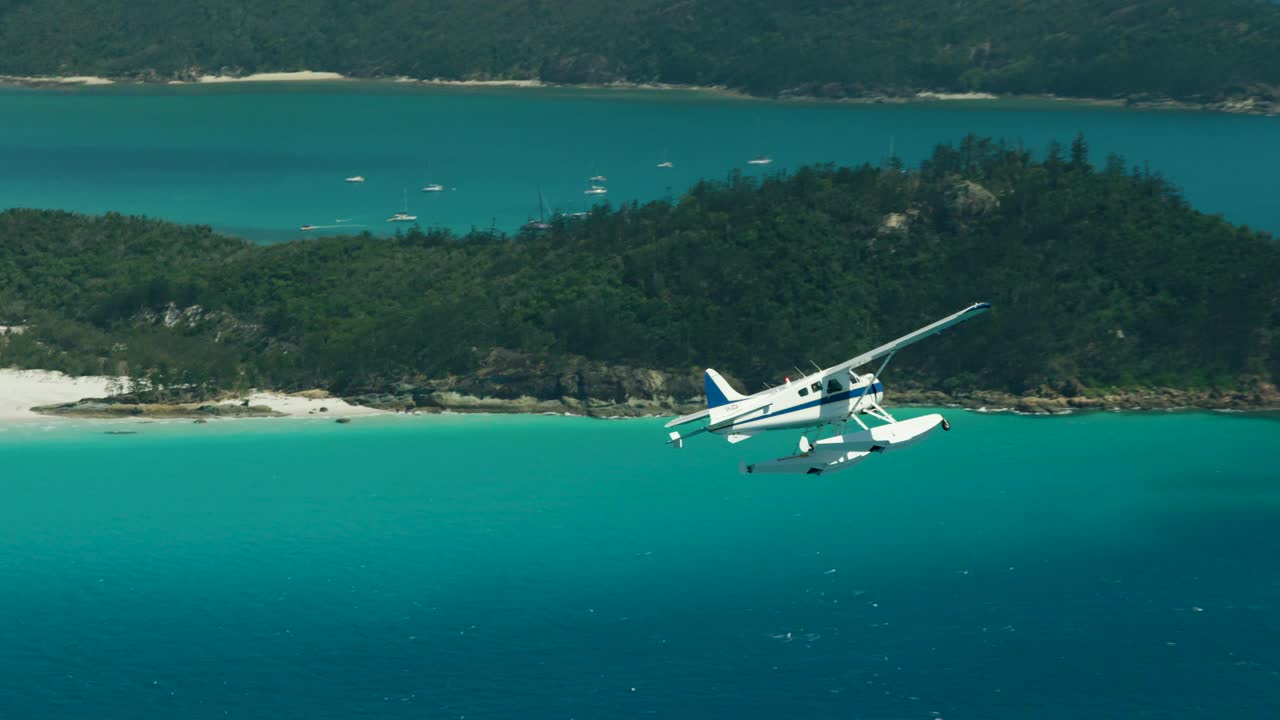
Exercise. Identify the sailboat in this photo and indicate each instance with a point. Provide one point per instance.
(403, 215)
(759, 159)
(665, 162)
(541, 223)
(354, 179)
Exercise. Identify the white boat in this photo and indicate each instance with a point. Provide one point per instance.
(403, 215)
(666, 164)
(759, 159)
(430, 186)
(355, 179)
(595, 190)
(598, 178)
(305, 228)
(541, 223)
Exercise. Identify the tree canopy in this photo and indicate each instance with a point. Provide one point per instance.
(1100, 277)
(1200, 50)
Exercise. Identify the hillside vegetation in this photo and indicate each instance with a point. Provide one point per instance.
(1199, 50)
(1100, 277)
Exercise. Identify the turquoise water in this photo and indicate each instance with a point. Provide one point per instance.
(1093, 566)
(261, 161)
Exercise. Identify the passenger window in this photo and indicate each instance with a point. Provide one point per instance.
(816, 387)
(804, 391)
(833, 386)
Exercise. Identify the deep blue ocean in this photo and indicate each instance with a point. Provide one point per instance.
(261, 160)
(1087, 566)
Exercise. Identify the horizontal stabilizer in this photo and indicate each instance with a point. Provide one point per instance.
(692, 417)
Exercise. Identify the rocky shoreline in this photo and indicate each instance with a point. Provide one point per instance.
(1265, 398)
(1153, 399)
(108, 409)
(513, 382)
(517, 383)
(1266, 105)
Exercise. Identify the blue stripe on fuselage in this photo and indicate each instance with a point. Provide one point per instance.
(847, 394)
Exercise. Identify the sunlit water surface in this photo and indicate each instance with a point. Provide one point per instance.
(263, 160)
(1091, 566)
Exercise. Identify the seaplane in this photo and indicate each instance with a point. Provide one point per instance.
(828, 398)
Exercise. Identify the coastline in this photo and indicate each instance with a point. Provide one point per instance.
(50, 80)
(1241, 106)
(29, 395)
(298, 76)
(32, 395)
(1265, 400)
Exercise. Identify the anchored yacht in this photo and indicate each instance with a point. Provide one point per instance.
(403, 215)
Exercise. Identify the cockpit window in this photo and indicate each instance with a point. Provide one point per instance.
(816, 387)
(804, 391)
(833, 386)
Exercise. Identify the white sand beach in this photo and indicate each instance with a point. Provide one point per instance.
(52, 80)
(299, 405)
(298, 76)
(925, 95)
(21, 390)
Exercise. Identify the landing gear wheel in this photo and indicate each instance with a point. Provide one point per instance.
(945, 425)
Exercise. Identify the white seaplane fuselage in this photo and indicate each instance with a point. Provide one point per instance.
(808, 402)
(832, 396)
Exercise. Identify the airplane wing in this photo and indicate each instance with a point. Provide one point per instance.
(891, 347)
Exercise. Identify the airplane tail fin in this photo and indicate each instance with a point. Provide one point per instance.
(718, 391)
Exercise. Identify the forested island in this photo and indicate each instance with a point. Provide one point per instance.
(1109, 289)
(1215, 52)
